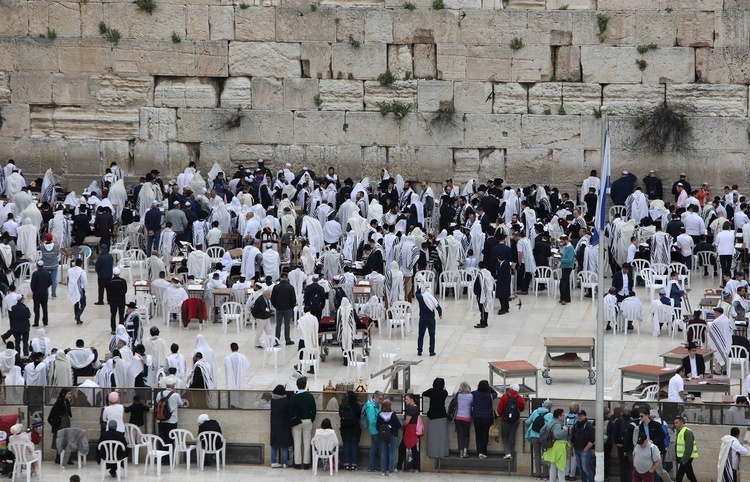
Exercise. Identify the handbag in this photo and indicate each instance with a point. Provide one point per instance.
(453, 409)
(494, 431)
(294, 421)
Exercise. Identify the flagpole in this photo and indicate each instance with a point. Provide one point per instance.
(602, 204)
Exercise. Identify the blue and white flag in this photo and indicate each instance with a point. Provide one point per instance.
(601, 207)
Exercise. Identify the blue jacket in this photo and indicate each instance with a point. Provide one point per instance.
(568, 258)
(482, 405)
(152, 219)
(539, 412)
(104, 265)
(426, 314)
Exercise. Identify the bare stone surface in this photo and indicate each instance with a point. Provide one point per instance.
(122, 90)
(268, 94)
(720, 100)
(135, 24)
(525, 4)
(510, 98)
(200, 59)
(732, 28)
(319, 127)
(65, 19)
(492, 130)
(434, 95)
(400, 61)
(610, 65)
(378, 26)
(546, 96)
(197, 25)
(15, 18)
(658, 28)
(86, 56)
(401, 91)
(299, 94)
(264, 59)
(77, 123)
(695, 29)
(4, 88)
(83, 156)
(404, 160)
(435, 163)
(316, 60)
(31, 88)
(473, 97)
(572, 4)
(568, 63)
(158, 124)
(669, 65)
(70, 89)
(303, 25)
(255, 24)
(186, 92)
(451, 62)
(556, 132)
(371, 128)
(425, 61)
(726, 65)
(581, 99)
(16, 120)
(116, 151)
(237, 93)
(634, 99)
(467, 164)
(341, 94)
(221, 22)
(365, 63)
(426, 131)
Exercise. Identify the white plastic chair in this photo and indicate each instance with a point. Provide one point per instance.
(134, 436)
(144, 303)
(677, 322)
(737, 356)
(638, 265)
(697, 332)
(325, 448)
(232, 311)
(611, 316)
(110, 449)
(119, 248)
(621, 210)
(24, 270)
(19, 450)
(660, 272)
(249, 318)
(631, 314)
(172, 305)
(309, 358)
(207, 444)
(649, 393)
(682, 271)
(239, 295)
(154, 454)
(358, 361)
(406, 306)
(554, 282)
(450, 280)
(467, 283)
(588, 280)
(215, 253)
(389, 352)
(180, 437)
(271, 346)
(653, 283)
(396, 317)
(542, 276)
(660, 314)
(81, 459)
(425, 278)
(705, 259)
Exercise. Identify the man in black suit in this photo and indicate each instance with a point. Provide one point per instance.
(623, 281)
(374, 260)
(694, 365)
(502, 287)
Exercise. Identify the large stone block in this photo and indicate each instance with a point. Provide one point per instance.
(77, 123)
(693, 5)
(726, 65)
(299, 94)
(581, 99)
(38, 18)
(351, 23)
(16, 121)
(721, 100)
(658, 28)
(84, 156)
(264, 59)
(401, 91)
(319, 127)
(31, 88)
(568, 63)
(366, 62)
(41, 154)
(425, 61)
(116, 151)
(509, 98)
(232, 126)
(149, 155)
(404, 160)
(237, 93)
(373, 160)
(543, 166)
(217, 152)
(400, 61)
(186, 92)
(256, 24)
(294, 155)
(187, 59)
(135, 24)
(493, 130)
(320, 158)
(316, 60)
(633, 100)
(65, 19)
(242, 153)
(91, 15)
(482, 27)
(86, 55)
(70, 89)
(550, 28)
(546, 96)
(669, 66)
(629, 4)
(418, 130)
(122, 90)
(32, 54)
(15, 19)
(268, 94)
(463, 4)
(722, 133)
(610, 65)
(466, 164)
(379, 26)
(434, 95)
(341, 94)
(571, 4)
(472, 97)
(695, 29)
(371, 129)
(221, 22)
(451, 62)
(551, 132)
(4, 88)
(303, 25)
(196, 23)
(488, 63)
(158, 124)
(524, 4)
(349, 162)
(532, 63)
(426, 27)
(731, 28)
(435, 164)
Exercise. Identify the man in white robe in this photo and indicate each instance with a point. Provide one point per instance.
(308, 329)
(271, 262)
(235, 368)
(77, 281)
(47, 194)
(311, 228)
(148, 194)
(636, 206)
(156, 347)
(394, 284)
(322, 213)
(199, 263)
(60, 228)
(661, 247)
(28, 238)
(345, 211)
(250, 260)
(15, 182)
(331, 232)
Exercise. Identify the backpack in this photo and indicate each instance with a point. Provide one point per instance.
(384, 433)
(162, 411)
(452, 409)
(364, 424)
(420, 427)
(510, 410)
(547, 436)
(667, 440)
(346, 415)
(317, 300)
(538, 423)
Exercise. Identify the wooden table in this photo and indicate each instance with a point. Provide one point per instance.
(235, 253)
(715, 385)
(515, 369)
(662, 375)
(675, 356)
(219, 292)
(142, 286)
(569, 360)
(67, 256)
(195, 290)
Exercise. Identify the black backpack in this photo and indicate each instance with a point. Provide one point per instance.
(317, 300)
(346, 415)
(452, 409)
(510, 410)
(384, 433)
(538, 424)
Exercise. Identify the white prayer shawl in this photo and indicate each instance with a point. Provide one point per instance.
(167, 246)
(452, 254)
(35, 375)
(14, 183)
(14, 387)
(28, 235)
(589, 182)
(308, 328)
(636, 206)
(120, 370)
(308, 260)
(118, 196)
(394, 284)
(60, 374)
(398, 183)
(76, 284)
(469, 189)
(208, 375)
(199, 233)
(408, 255)
(48, 188)
(477, 238)
(357, 223)
(175, 291)
(199, 264)
(297, 279)
(249, 253)
(126, 353)
(725, 473)
(271, 223)
(81, 357)
(185, 178)
(271, 264)
(40, 343)
(429, 299)
(418, 237)
(7, 359)
(331, 232)
(146, 196)
(375, 211)
(215, 170)
(235, 368)
(720, 338)
(349, 251)
(156, 347)
(627, 229)
(529, 263)
(22, 200)
(661, 248)
(177, 361)
(359, 187)
(591, 258)
(201, 345)
(512, 205)
(322, 213)
(345, 211)
(487, 283)
(221, 214)
(103, 377)
(389, 243)
(197, 184)
(346, 327)
(332, 264)
(135, 367)
(33, 214)
(312, 229)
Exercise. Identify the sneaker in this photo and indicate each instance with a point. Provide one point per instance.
(382, 474)
(482, 456)
(285, 466)
(391, 474)
(371, 469)
(353, 468)
(508, 456)
(275, 465)
(415, 471)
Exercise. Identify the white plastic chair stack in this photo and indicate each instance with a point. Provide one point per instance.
(677, 322)
(660, 272)
(135, 441)
(325, 448)
(110, 449)
(180, 437)
(542, 276)
(19, 450)
(271, 346)
(649, 394)
(231, 311)
(588, 280)
(208, 444)
(154, 453)
(119, 248)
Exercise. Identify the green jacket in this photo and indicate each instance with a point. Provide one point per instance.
(303, 405)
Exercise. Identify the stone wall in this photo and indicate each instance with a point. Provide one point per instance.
(297, 81)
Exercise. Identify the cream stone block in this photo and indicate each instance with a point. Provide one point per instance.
(532, 63)
(77, 123)
(400, 61)
(568, 63)
(675, 65)
(294, 155)
(221, 22)
(434, 95)
(493, 130)
(303, 25)
(483, 27)
(319, 127)
(435, 163)
(256, 126)
(16, 120)
(732, 28)
(726, 65)
(572, 4)
(4, 88)
(581, 99)
(658, 28)
(65, 19)
(237, 93)
(629, 4)
(547, 96)
(316, 60)
(299, 94)
(524, 4)
(14, 19)
(33, 54)
(341, 94)
(695, 29)
(320, 158)
(351, 23)
(491, 163)
(38, 13)
(472, 97)
(401, 91)
(378, 26)
(488, 63)
(404, 160)
(371, 129)
(186, 92)
(136, 24)
(197, 23)
(256, 24)
(83, 156)
(116, 151)
(218, 152)
(418, 130)
(85, 55)
(149, 155)
(425, 61)
(557, 132)
(31, 88)
(466, 164)
(509, 98)
(693, 5)
(426, 27)
(543, 166)
(38, 154)
(70, 89)
(709, 100)
(122, 91)
(245, 153)
(632, 100)
(550, 27)
(374, 158)
(158, 124)
(264, 59)
(452, 62)
(463, 4)
(199, 59)
(609, 65)
(366, 62)
(268, 93)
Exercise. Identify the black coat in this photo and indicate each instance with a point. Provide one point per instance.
(502, 287)
(281, 432)
(699, 364)
(283, 296)
(653, 188)
(41, 280)
(491, 206)
(622, 188)
(617, 280)
(20, 317)
(59, 410)
(117, 290)
(211, 426)
(113, 435)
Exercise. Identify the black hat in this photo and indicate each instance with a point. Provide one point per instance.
(582, 412)
(691, 345)
(132, 305)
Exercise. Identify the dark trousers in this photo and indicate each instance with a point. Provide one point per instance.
(625, 470)
(508, 434)
(607, 453)
(80, 306)
(524, 278)
(113, 310)
(164, 429)
(483, 315)
(463, 429)
(504, 303)
(22, 340)
(565, 285)
(482, 433)
(40, 304)
(429, 326)
(725, 260)
(102, 283)
(403, 463)
(647, 477)
(685, 470)
(285, 317)
(350, 449)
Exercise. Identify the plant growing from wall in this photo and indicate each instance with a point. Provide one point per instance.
(147, 6)
(103, 28)
(409, 6)
(112, 34)
(51, 34)
(346, 127)
(597, 113)
(642, 64)
(563, 7)
(642, 49)
(176, 38)
(664, 127)
(438, 5)
(354, 42)
(444, 115)
(547, 112)
(317, 101)
(601, 23)
(397, 108)
(313, 7)
(561, 111)
(233, 120)
(516, 44)
(386, 78)
(669, 10)
(407, 76)
(244, 6)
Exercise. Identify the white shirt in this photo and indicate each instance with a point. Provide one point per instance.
(724, 243)
(737, 450)
(676, 385)
(686, 244)
(625, 286)
(694, 225)
(251, 228)
(693, 368)
(11, 228)
(740, 219)
(632, 250)
(213, 237)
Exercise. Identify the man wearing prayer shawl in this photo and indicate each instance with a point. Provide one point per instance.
(235, 368)
(484, 288)
(636, 206)
(28, 237)
(729, 456)
(346, 329)
(394, 284)
(271, 262)
(201, 378)
(60, 374)
(720, 337)
(156, 347)
(154, 265)
(661, 247)
(199, 264)
(408, 255)
(77, 281)
(311, 228)
(308, 328)
(428, 304)
(48, 188)
(59, 226)
(81, 360)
